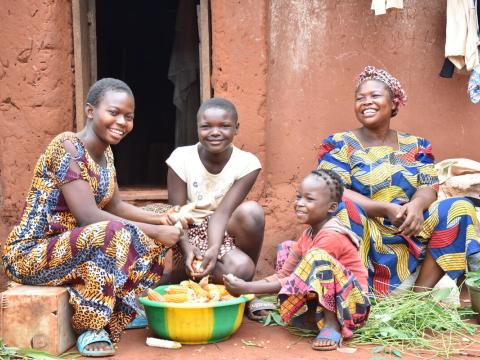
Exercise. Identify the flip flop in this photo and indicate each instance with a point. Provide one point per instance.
(328, 334)
(90, 337)
(139, 322)
(258, 305)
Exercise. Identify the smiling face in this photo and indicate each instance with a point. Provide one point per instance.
(314, 204)
(373, 104)
(216, 130)
(112, 118)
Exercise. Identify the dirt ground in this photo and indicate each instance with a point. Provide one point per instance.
(275, 343)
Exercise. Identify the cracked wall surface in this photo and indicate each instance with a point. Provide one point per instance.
(36, 92)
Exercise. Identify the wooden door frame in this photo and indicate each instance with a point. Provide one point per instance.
(85, 52)
(204, 48)
(85, 57)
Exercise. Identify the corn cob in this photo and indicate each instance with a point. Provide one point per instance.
(197, 266)
(213, 292)
(223, 290)
(176, 289)
(201, 300)
(204, 282)
(153, 295)
(199, 292)
(166, 344)
(176, 298)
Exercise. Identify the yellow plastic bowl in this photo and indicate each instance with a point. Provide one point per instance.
(195, 323)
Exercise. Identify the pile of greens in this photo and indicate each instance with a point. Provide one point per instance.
(411, 323)
(418, 323)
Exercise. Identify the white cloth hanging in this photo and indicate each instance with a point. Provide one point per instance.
(380, 6)
(461, 42)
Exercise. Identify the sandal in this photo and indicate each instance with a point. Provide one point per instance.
(139, 322)
(327, 334)
(257, 305)
(90, 337)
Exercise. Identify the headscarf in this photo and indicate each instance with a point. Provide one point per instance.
(372, 73)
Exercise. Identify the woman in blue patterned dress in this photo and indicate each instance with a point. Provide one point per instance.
(391, 179)
(74, 231)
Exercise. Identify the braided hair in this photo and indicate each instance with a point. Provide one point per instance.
(99, 88)
(333, 181)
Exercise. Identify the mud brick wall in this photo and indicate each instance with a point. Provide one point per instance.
(36, 92)
(290, 67)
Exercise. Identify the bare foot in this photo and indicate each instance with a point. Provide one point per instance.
(99, 346)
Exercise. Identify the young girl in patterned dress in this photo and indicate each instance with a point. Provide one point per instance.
(74, 231)
(322, 269)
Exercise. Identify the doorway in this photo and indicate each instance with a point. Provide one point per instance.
(142, 44)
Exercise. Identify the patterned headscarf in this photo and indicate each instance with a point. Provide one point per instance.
(373, 73)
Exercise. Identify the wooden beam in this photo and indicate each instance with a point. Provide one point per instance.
(143, 194)
(81, 50)
(203, 14)
(92, 37)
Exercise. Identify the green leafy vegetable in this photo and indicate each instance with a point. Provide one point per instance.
(417, 323)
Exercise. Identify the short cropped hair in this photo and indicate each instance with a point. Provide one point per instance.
(99, 88)
(218, 103)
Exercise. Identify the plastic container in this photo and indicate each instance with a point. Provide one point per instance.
(194, 323)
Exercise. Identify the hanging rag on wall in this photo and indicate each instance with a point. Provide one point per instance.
(183, 72)
(380, 6)
(461, 43)
(447, 69)
(474, 86)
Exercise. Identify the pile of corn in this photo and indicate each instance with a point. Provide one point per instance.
(190, 291)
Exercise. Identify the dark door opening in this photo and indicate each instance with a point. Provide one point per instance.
(153, 47)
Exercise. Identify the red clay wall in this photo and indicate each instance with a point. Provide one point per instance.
(239, 62)
(315, 49)
(36, 93)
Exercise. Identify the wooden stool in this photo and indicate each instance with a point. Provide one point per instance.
(37, 317)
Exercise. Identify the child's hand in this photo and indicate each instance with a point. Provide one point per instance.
(235, 285)
(192, 254)
(208, 264)
(177, 214)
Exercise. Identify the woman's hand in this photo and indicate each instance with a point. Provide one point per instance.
(392, 213)
(235, 285)
(166, 235)
(413, 214)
